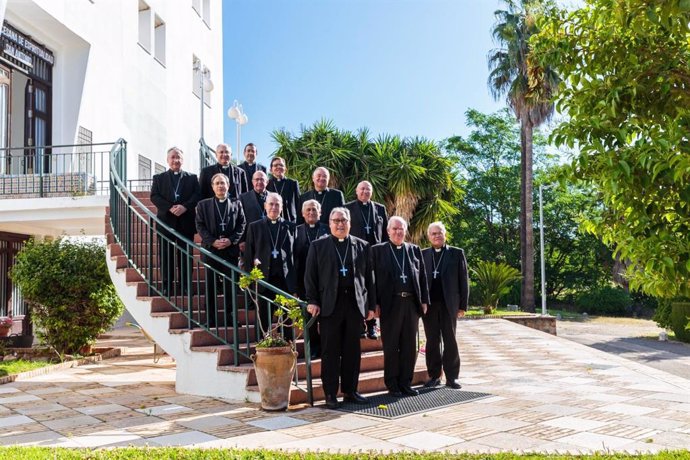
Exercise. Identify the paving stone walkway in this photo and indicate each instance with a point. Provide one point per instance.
(549, 395)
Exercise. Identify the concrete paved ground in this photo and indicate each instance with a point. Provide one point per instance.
(549, 394)
(634, 339)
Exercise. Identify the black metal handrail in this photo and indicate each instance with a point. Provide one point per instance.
(54, 170)
(138, 231)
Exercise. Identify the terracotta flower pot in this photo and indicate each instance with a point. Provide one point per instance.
(274, 368)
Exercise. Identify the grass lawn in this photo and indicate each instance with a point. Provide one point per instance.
(34, 453)
(479, 311)
(20, 365)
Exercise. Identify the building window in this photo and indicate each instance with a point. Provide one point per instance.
(159, 168)
(144, 167)
(145, 26)
(159, 40)
(84, 151)
(206, 13)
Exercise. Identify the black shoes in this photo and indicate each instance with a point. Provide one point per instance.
(332, 402)
(432, 383)
(453, 384)
(355, 398)
(409, 391)
(395, 393)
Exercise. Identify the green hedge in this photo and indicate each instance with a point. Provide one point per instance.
(680, 312)
(604, 301)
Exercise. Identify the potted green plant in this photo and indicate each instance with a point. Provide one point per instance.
(275, 358)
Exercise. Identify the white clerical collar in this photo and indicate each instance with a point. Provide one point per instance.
(398, 247)
(364, 203)
(278, 179)
(225, 166)
(222, 200)
(176, 173)
(274, 221)
(320, 192)
(340, 240)
(312, 225)
(438, 249)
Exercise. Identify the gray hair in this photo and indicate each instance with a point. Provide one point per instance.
(225, 178)
(397, 219)
(175, 149)
(344, 211)
(274, 195)
(438, 224)
(310, 202)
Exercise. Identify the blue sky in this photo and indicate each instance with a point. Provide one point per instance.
(408, 67)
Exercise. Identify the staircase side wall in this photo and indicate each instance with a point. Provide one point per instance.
(197, 372)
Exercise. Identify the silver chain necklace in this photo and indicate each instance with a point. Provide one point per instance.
(343, 268)
(222, 216)
(437, 265)
(403, 277)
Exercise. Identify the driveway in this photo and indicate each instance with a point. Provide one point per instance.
(634, 339)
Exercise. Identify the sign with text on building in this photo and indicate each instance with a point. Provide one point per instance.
(21, 50)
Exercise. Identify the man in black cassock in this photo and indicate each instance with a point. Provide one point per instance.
(328, 198)
(175, 194)
(369, 222)
(340, 291)
(311, 230)
(285, 187)
(249, 165)
(446, 270)
(269, 245)
(237, 181)
(402, 296)
(220, 223)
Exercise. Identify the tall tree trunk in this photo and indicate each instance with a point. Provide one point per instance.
(526, 217)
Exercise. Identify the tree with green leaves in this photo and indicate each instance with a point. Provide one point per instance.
(68, 288)
(528, 87)
(412, 177)
(626, 94)
(487, 225)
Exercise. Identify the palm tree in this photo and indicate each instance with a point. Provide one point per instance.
(411, 177)
(528, 88)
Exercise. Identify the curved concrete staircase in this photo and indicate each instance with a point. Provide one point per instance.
(205, 365)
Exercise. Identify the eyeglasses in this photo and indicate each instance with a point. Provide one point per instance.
(340, 221)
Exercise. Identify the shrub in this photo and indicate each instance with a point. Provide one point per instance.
(604, 301)
(493, 281)
(680, 320)
(68, 288)
(662, 314)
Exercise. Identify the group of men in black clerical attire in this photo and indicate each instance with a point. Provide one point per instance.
(350, 262)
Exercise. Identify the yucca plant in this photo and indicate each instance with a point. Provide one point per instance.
(493, 281)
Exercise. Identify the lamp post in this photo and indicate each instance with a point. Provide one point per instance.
(205, 86)
(541, 251)
(236, 113)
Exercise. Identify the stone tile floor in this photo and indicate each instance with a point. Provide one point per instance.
(550, 395)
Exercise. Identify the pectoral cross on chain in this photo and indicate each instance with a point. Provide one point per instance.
(367, 229)
(274, 253)
(222, 226)
(403, 277)
(177, 196)
(435, 272)
(343, 270)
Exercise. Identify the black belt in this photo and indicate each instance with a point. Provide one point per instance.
(404, 294)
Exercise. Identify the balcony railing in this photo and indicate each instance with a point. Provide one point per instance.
(55, 171)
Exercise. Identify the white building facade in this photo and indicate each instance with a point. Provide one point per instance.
(85, 72)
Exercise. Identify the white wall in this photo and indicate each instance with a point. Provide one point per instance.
(106, 82)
